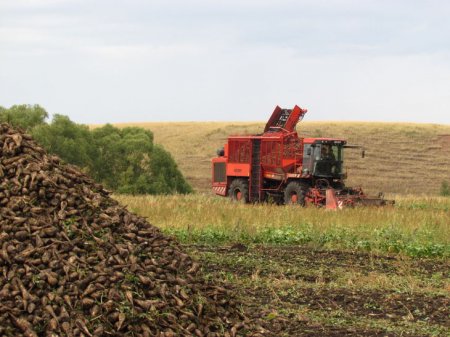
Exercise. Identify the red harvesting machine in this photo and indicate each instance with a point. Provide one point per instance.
(280, 165)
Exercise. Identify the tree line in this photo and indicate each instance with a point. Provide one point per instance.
(125, 160)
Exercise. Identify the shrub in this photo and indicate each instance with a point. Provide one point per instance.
(445, 189)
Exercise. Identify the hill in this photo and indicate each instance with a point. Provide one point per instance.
(401, 158)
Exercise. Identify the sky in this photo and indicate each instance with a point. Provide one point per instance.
(101, 61)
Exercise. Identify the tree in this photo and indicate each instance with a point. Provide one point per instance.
(167, 179)
(24, 116)
(123, 157)
(129, 162)
(72, 142)
(124, 160)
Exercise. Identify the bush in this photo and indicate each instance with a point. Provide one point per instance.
(445, 189)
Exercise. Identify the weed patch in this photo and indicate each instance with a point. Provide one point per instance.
(416, 226)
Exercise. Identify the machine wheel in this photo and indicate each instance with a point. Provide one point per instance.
(239, 191)
(295, 193)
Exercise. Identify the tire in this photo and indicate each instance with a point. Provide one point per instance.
(238, 191)
(294, 193)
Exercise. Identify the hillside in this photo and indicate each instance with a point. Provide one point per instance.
(403, 158)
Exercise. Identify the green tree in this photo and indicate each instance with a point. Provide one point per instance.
(109, 160)
(123, 157)
(124, 160)
(134, 164)
(72, 142)
(24, 116)
(167, 178)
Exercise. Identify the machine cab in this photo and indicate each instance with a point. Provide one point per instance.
(323, 157)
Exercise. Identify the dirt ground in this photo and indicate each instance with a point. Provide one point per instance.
(295, 291)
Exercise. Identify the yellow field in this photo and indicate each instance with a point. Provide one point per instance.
(401, 158)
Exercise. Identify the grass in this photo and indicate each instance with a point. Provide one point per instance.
(312, 272)
(415, 226)
(402, 158)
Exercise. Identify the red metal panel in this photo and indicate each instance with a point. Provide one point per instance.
(239, 150)
(296, 114)
(275, 116)
(220, 189)
(331, 200)
(271, 152)
(238, 170)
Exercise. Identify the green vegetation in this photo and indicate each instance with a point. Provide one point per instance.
(445, 189)
(24, 116)
(309, 271)
(416, 227)
(72, 142)
(124, 160)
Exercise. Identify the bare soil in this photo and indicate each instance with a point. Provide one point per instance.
(297, 291)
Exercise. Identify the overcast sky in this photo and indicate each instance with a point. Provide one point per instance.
(141, 60)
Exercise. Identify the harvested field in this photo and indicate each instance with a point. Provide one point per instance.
(308, 292)
(75, 263)
(312, 272)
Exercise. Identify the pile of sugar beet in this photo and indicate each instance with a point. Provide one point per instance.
(73, 262)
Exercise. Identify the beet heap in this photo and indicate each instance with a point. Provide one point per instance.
(75, 263)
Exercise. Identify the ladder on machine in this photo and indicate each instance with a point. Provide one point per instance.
(255, 180)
